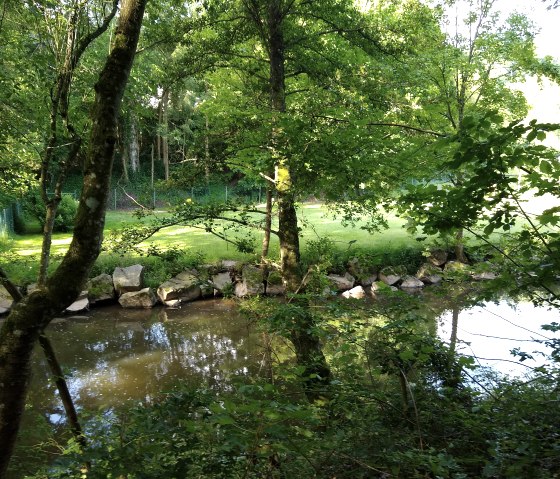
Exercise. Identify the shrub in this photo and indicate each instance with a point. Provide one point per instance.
(64, 220)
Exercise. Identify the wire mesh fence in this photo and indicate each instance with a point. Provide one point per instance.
(8, 218)
(122, 197)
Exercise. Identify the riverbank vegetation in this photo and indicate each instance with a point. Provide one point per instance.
(315, 131)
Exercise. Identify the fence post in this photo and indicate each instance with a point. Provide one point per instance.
(115, 199)
(226, 193)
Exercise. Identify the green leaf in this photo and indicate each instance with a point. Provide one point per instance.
(546, 167)
(532, 135)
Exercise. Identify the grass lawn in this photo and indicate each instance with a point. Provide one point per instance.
(317, 222)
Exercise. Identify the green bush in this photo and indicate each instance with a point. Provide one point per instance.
(64, 220)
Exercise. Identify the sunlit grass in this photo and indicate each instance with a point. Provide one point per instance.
(318, 222)
(315, 222)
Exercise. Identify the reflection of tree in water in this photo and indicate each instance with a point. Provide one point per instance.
(120, 354)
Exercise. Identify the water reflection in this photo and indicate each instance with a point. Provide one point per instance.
(491, 331)
(115, 355)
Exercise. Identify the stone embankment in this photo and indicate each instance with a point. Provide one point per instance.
(232, 278)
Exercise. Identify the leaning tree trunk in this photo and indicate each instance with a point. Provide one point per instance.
(22, 328)
(306, 343)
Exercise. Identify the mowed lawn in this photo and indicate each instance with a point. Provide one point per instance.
(315, 221)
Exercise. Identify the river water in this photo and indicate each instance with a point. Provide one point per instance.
(112, 356)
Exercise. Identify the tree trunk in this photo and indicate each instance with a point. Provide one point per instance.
(123, 146)
(267, 225)
(134, 148)
(163, 144)
(28, 318)
(460, 247)
(51, 210)
(306, 343)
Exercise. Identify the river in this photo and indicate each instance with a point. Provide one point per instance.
(112, 356)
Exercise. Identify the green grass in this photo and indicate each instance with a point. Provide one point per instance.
(322, 224)
(315, 221)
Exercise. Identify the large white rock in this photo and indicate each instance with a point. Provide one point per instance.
(230, 265)
(391, 275)
(145, 298)
(6, 300)
(251, 283)
(354, 293)
(100, 289)
(438, 257)
(81, 304)
(184, 287)
(222, 282)
(128, 279)
(342, 283)
(429, 274)
(410, 282)
(484, 276)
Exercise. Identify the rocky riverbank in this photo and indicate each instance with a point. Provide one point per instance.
(232, 278)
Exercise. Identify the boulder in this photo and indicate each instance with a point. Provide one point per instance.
(145, 298)
(454, 266)
(438, 257)
(410, 282)
(484, 276)
(6, 300)
(355, 293)
(100, 289)
(173, 303)
(251, 283)
(369, 280)
(128, 279)
(342, 283)
(222, 282)
(184, 287)
(391, 275)
(429, 274)
(81, 304)
(274, 284)
(230, 265)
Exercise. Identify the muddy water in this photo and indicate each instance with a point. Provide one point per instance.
(112, 355)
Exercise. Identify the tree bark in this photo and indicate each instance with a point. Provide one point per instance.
(134, 147)
(460, 247)
(163, 141)
(306, 343)
(267, 225)
(29, 317)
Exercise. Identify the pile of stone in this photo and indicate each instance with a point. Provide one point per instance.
(232, 278)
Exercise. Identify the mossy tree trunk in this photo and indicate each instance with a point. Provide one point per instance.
(306, 342)
(20, 332)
